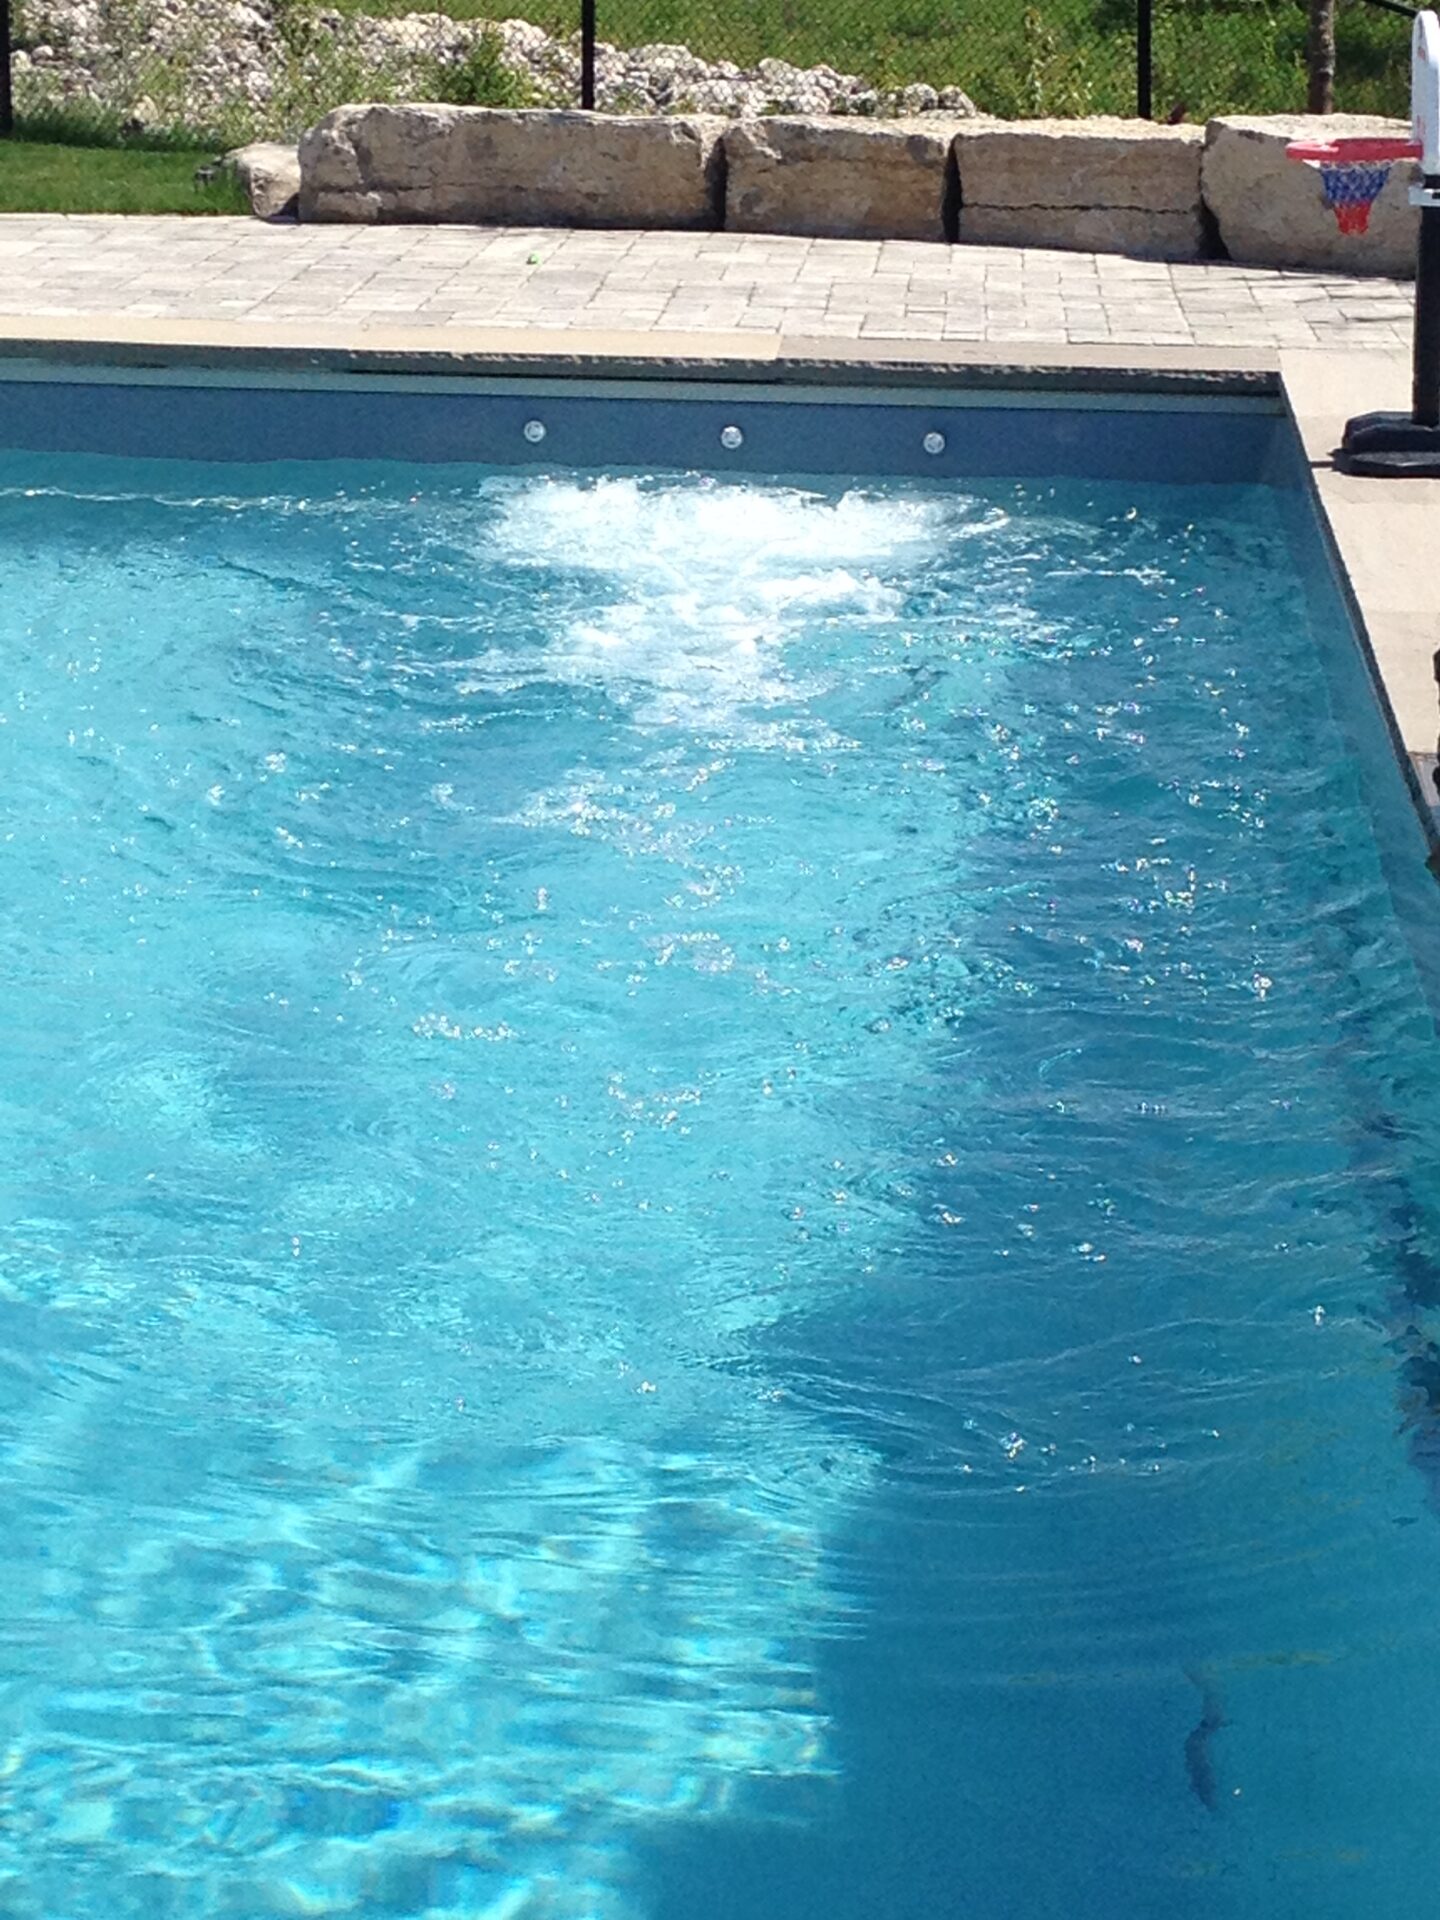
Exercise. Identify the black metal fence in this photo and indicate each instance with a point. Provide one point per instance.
(217, 72)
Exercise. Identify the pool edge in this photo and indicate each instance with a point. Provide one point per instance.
(779, 359)
(1375, 531)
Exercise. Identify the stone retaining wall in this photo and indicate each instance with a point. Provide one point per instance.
(526, 168)
(1109, 186)
(848, 179)
(1270, 209)
(1122, 186)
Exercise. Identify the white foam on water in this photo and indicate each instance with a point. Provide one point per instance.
(636, 528)
(690, 592)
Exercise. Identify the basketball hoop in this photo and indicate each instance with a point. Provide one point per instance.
(1352, 176)
(1353, 173)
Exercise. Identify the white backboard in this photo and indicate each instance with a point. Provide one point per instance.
(1425, 89)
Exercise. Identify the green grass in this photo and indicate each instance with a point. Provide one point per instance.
(1018, 58)
(42, 177)
(1012, 57)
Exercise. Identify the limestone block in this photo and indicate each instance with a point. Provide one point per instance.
(1103, 185)
(1131, 230)
(534, 167)
(841, 177)
(1080, 163)
(1270, 210)
(270, 174)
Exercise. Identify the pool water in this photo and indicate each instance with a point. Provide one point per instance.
(718, 1200)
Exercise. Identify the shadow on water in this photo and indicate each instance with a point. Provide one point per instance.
(1018, 1795)
(1101, 1783)
(965, 1785)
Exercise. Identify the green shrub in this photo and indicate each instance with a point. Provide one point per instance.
(483, 78)
(1055, 82)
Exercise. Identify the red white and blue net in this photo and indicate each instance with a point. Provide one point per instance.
(1352, 188)
(1353, 172)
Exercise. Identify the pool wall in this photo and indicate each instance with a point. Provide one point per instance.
(986, 433)
(1403, 816)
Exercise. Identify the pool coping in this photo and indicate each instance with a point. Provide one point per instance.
(1379, 532)
(1375, 529)
(509, 352)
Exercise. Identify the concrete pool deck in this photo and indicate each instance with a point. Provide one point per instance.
(1384, 535)
(772, 307)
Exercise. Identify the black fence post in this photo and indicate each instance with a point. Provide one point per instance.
(1144, 77)
(7, 98)
(587, 52)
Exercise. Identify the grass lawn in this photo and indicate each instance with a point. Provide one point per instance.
(37, 177)
(1017, 57)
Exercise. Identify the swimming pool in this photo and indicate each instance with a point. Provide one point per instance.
(718, 1190)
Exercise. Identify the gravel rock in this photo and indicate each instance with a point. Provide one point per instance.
(243, 68)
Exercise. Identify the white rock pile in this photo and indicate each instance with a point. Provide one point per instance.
(273, 67)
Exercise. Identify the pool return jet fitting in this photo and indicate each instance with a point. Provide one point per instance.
(1353, 173)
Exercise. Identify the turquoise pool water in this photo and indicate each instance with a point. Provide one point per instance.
(718, 1200)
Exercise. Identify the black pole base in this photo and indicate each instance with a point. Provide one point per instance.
(1389, 443)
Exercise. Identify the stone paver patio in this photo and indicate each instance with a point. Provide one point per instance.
(80, 267)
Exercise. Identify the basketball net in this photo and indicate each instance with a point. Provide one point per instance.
(1351, 188)
(1353, 172)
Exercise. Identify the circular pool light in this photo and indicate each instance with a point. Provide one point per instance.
(534, 431)
(731, 437)
(934, 443)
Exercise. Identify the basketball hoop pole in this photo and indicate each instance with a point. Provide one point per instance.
(1397, 443)
(1426, 392)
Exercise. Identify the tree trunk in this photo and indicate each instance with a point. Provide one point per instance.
(1320, 57)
